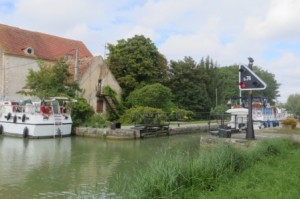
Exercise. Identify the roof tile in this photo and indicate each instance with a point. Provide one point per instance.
(14, 40)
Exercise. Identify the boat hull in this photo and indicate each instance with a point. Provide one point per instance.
(35, 124)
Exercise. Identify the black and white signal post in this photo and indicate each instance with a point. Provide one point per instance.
(248, 80)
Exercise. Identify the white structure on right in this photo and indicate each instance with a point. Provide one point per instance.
(263, 116)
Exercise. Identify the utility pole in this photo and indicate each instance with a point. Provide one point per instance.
(3, 81)
(216, 96)
(104, 54)
(76, 65)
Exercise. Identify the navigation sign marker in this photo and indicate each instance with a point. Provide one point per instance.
(248, 80)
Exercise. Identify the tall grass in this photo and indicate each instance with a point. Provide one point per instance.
(181, 175)
(275, 175)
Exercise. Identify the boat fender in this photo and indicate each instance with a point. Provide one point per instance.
(15, 119)
(23, 118)
(25, 132)
(1, 129)
(8, 116)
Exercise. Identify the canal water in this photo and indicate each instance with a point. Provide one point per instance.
(77, 167)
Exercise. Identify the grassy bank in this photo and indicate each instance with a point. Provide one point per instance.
(267, 170)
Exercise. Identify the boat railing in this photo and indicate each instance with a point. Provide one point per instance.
(33, 108)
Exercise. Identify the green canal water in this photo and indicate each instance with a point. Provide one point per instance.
(77, 167)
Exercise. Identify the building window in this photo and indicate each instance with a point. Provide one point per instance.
(99, 107)
(98, 89)
(29, 51)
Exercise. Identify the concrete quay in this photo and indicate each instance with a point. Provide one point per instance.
(130, 132)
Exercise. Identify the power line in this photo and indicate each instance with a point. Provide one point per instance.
(16, 66)
(19, 65)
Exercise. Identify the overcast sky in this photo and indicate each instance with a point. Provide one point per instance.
(229, 31)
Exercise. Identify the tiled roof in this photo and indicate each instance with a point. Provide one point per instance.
(14, 41)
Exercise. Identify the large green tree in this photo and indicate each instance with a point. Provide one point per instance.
(293, 104)
(209, 75)
(188, 84)
(272, 90)
(228, 83)
(51, 80)
(136, 62)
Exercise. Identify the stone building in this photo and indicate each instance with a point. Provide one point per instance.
(20, 50)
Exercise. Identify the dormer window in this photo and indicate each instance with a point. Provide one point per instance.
(29, 51)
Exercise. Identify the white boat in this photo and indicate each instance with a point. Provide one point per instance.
(238, 118)
(262, 116)
(39, 119)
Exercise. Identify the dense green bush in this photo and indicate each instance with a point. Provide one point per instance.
(154, 95)
(290, 122)
(96, 121)
(81, 111)
(220, 109)
(178, 114)
(137, 114)
(119, 106)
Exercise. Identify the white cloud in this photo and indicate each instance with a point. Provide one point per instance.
(200, 44)
(281, 21)
(287, 72)
(228, 31)
(141, 30)
(165, 13)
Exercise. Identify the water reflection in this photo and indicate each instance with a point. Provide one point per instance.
(21, 158)
(77, 166)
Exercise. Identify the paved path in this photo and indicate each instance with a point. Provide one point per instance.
(277, 132)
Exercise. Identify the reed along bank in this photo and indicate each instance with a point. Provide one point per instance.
(267, 168)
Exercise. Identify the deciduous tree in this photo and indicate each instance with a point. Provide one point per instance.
(293, 104)
(188, 85)
(51, 80)
(271, 92)
(136, 62)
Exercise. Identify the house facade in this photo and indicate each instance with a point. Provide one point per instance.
(93, 81)
(21, 50)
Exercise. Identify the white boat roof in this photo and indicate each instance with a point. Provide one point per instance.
(237, 111)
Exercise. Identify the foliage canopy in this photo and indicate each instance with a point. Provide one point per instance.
(54, 80)
(188, 84)
(152, 95)
(271, 92)
(136, 114)
(81, 111)
(136, 62)
(293, 104)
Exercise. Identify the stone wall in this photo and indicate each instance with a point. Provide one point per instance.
(107, 133)
(128, 133)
